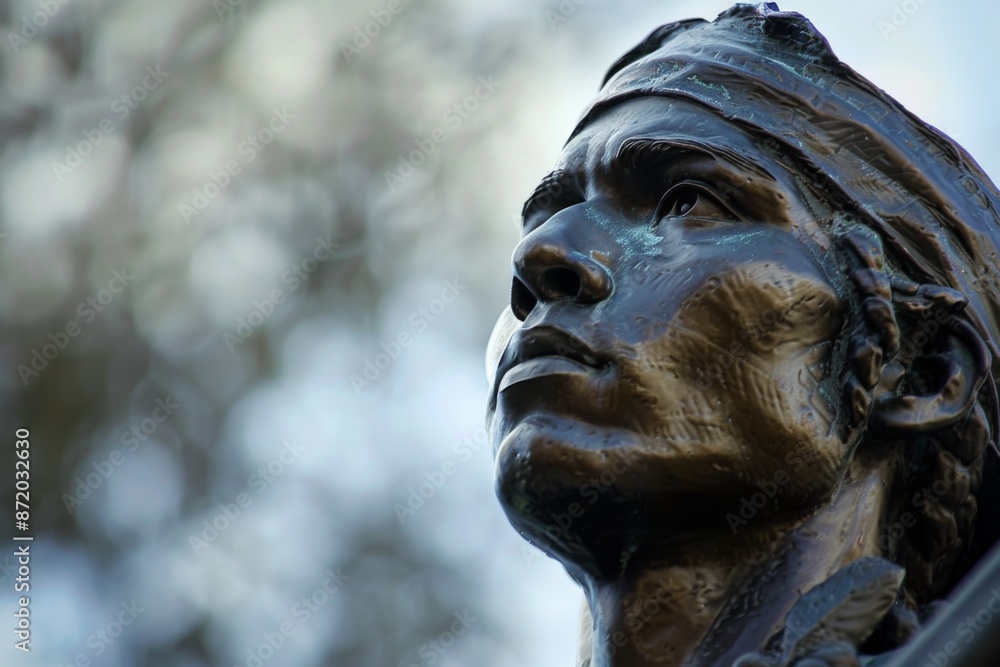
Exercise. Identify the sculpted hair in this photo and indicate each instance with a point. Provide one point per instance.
(916, 232)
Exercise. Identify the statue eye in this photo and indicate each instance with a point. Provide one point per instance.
(690, 200)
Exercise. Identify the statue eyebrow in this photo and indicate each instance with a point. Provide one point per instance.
(559, 187)
(640, 153)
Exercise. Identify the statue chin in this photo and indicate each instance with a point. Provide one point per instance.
(591, 506)
(562, 497)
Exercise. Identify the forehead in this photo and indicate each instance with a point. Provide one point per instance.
(666, 119)
(776, 178)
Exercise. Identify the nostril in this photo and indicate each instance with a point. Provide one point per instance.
(559, 281)
(522, 301)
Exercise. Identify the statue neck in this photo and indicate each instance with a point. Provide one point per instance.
(709, 600)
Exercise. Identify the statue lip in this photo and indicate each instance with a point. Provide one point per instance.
(546, 350)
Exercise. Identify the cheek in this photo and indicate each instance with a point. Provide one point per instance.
(788, 423)
(682, 393)
(738, 377)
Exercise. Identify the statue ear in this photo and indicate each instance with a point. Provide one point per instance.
(914, 379)
(940, 387)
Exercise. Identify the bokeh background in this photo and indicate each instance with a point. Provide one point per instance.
(195, 324)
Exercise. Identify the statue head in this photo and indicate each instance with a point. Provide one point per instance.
(751, 274)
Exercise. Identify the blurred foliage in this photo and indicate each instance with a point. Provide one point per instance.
(119, 120)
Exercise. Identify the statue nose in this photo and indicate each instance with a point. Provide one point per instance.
(547, 268)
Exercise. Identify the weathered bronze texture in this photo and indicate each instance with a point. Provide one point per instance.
(744, 390)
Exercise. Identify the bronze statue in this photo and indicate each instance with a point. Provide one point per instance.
(744, 390)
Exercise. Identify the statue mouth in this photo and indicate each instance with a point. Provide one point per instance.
(541, 367)
(544, 351)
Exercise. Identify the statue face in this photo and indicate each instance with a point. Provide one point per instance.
(678, 311)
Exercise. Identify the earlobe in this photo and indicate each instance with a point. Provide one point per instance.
(940, 388)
